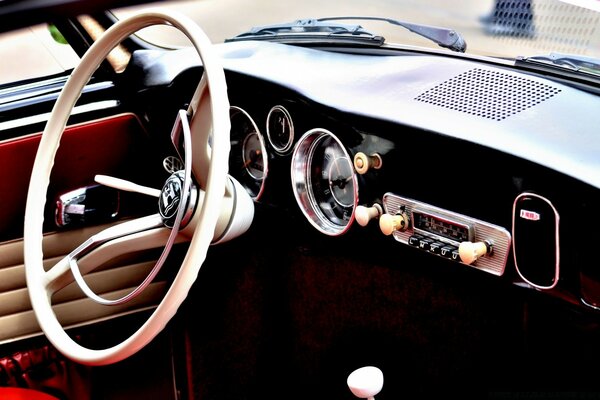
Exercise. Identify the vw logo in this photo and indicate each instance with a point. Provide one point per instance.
(170, 197)
(172, 164)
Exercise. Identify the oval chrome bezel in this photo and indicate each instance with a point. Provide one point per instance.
(301, 165)
(290, 141)
(265, 157)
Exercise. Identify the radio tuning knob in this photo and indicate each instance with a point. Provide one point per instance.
(389, 223)
(363, 162)
(364, 214)
(469, 252)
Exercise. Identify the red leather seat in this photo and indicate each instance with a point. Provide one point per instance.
(11, 393)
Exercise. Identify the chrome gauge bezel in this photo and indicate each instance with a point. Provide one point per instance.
(240, 156)
(261, 144)
(303, 159)
(290, 140)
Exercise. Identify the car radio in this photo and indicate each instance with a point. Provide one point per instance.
(445, 233)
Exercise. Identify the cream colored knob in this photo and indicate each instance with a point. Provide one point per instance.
(389, 223)
(469, 252)
(363, 162)
(364, 214)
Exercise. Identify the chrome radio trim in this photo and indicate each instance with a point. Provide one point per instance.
(494, 263)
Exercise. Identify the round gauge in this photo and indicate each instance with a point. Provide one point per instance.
(280, 129)
(324, 181)
(252, 156)
(248, 162)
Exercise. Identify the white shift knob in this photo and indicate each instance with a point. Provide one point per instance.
(365, 382)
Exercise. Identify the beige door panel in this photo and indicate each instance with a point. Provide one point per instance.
(115, 277)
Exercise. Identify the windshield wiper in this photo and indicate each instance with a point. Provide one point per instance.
(310, 31)
(571, 62)
(443, 37)
(319, 29)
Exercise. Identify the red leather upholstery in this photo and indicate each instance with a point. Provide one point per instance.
(11, 393)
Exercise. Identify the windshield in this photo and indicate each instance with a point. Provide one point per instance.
(498, 28)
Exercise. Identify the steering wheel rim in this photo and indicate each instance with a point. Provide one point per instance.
(39, 282)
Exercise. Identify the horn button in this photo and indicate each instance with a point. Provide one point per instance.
(171, 197)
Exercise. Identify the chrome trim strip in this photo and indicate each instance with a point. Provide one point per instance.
(35, 119)
(590, 305)
(41, 87)
(48, 91)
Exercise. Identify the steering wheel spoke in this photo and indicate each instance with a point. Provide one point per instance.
(138, 234)
(122, 184)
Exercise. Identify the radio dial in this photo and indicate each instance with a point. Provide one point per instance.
(389, 223)
(469, 252)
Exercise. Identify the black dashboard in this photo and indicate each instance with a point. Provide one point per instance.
(441, 151)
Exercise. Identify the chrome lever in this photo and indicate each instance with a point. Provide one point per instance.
(86, 205)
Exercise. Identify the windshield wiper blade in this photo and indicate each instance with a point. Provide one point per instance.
(310, 30)
(314, 29)
(572, 62)
(444, 37)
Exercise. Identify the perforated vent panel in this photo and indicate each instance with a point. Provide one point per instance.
(488, 94)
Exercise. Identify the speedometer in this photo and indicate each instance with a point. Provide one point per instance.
(324, 181)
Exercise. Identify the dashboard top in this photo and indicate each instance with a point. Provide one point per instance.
(534, 118)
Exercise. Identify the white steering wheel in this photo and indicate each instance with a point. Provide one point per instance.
(209, 111)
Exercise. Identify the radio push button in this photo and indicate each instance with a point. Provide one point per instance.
(446, 251)
(436, 247)
(414, 240)
(425, 243)
(455, 256)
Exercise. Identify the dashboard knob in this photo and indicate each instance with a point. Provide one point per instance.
(363, 162)
(364, 214)
(469, 252)
(389, 223)
(365, 382)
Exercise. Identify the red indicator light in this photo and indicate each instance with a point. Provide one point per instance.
(530, 215)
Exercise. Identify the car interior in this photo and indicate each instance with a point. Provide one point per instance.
(262, 217)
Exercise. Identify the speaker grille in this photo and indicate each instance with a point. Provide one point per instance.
(488, 94)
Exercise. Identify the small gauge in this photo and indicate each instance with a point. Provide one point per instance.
(324, 181)
(280, 129)
(253, 156)
(248, 162)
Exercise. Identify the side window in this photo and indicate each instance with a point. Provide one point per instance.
(34, 52)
